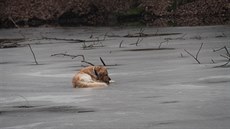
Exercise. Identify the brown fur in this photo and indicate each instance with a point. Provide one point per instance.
(91, 76)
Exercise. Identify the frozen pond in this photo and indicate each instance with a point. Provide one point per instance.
(157, 84)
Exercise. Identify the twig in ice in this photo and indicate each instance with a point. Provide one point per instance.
(195, 57)
(120, 44)
(74, 56)
(104, 64)
(33, 54)
(228, 54)
(137, 42)
(102, 61)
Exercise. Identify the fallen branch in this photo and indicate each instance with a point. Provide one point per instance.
(141, 33)
(74, 56)
(137, 42)
(72, 40)
(228, 60)
(224, 65)
(75, 40)
(195, 57)
(136, 35)
(104, 64)
(102, 61)
(227, 56)
(120, 44)
(226, 49)
(33, 54)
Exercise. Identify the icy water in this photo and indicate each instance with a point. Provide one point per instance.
(157, 84)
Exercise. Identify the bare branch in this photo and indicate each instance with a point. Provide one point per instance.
(192, 56)
(120, 44)
(33, 54)
(102, 61)
(72, 56)
(199, 50)
(226, 49)
(166, 41)
(195, 57)
(225, 56)
(224, 64)
(137, 42)
(141, 32)
(73, 40)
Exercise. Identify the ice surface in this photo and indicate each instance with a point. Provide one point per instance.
(153, 88)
